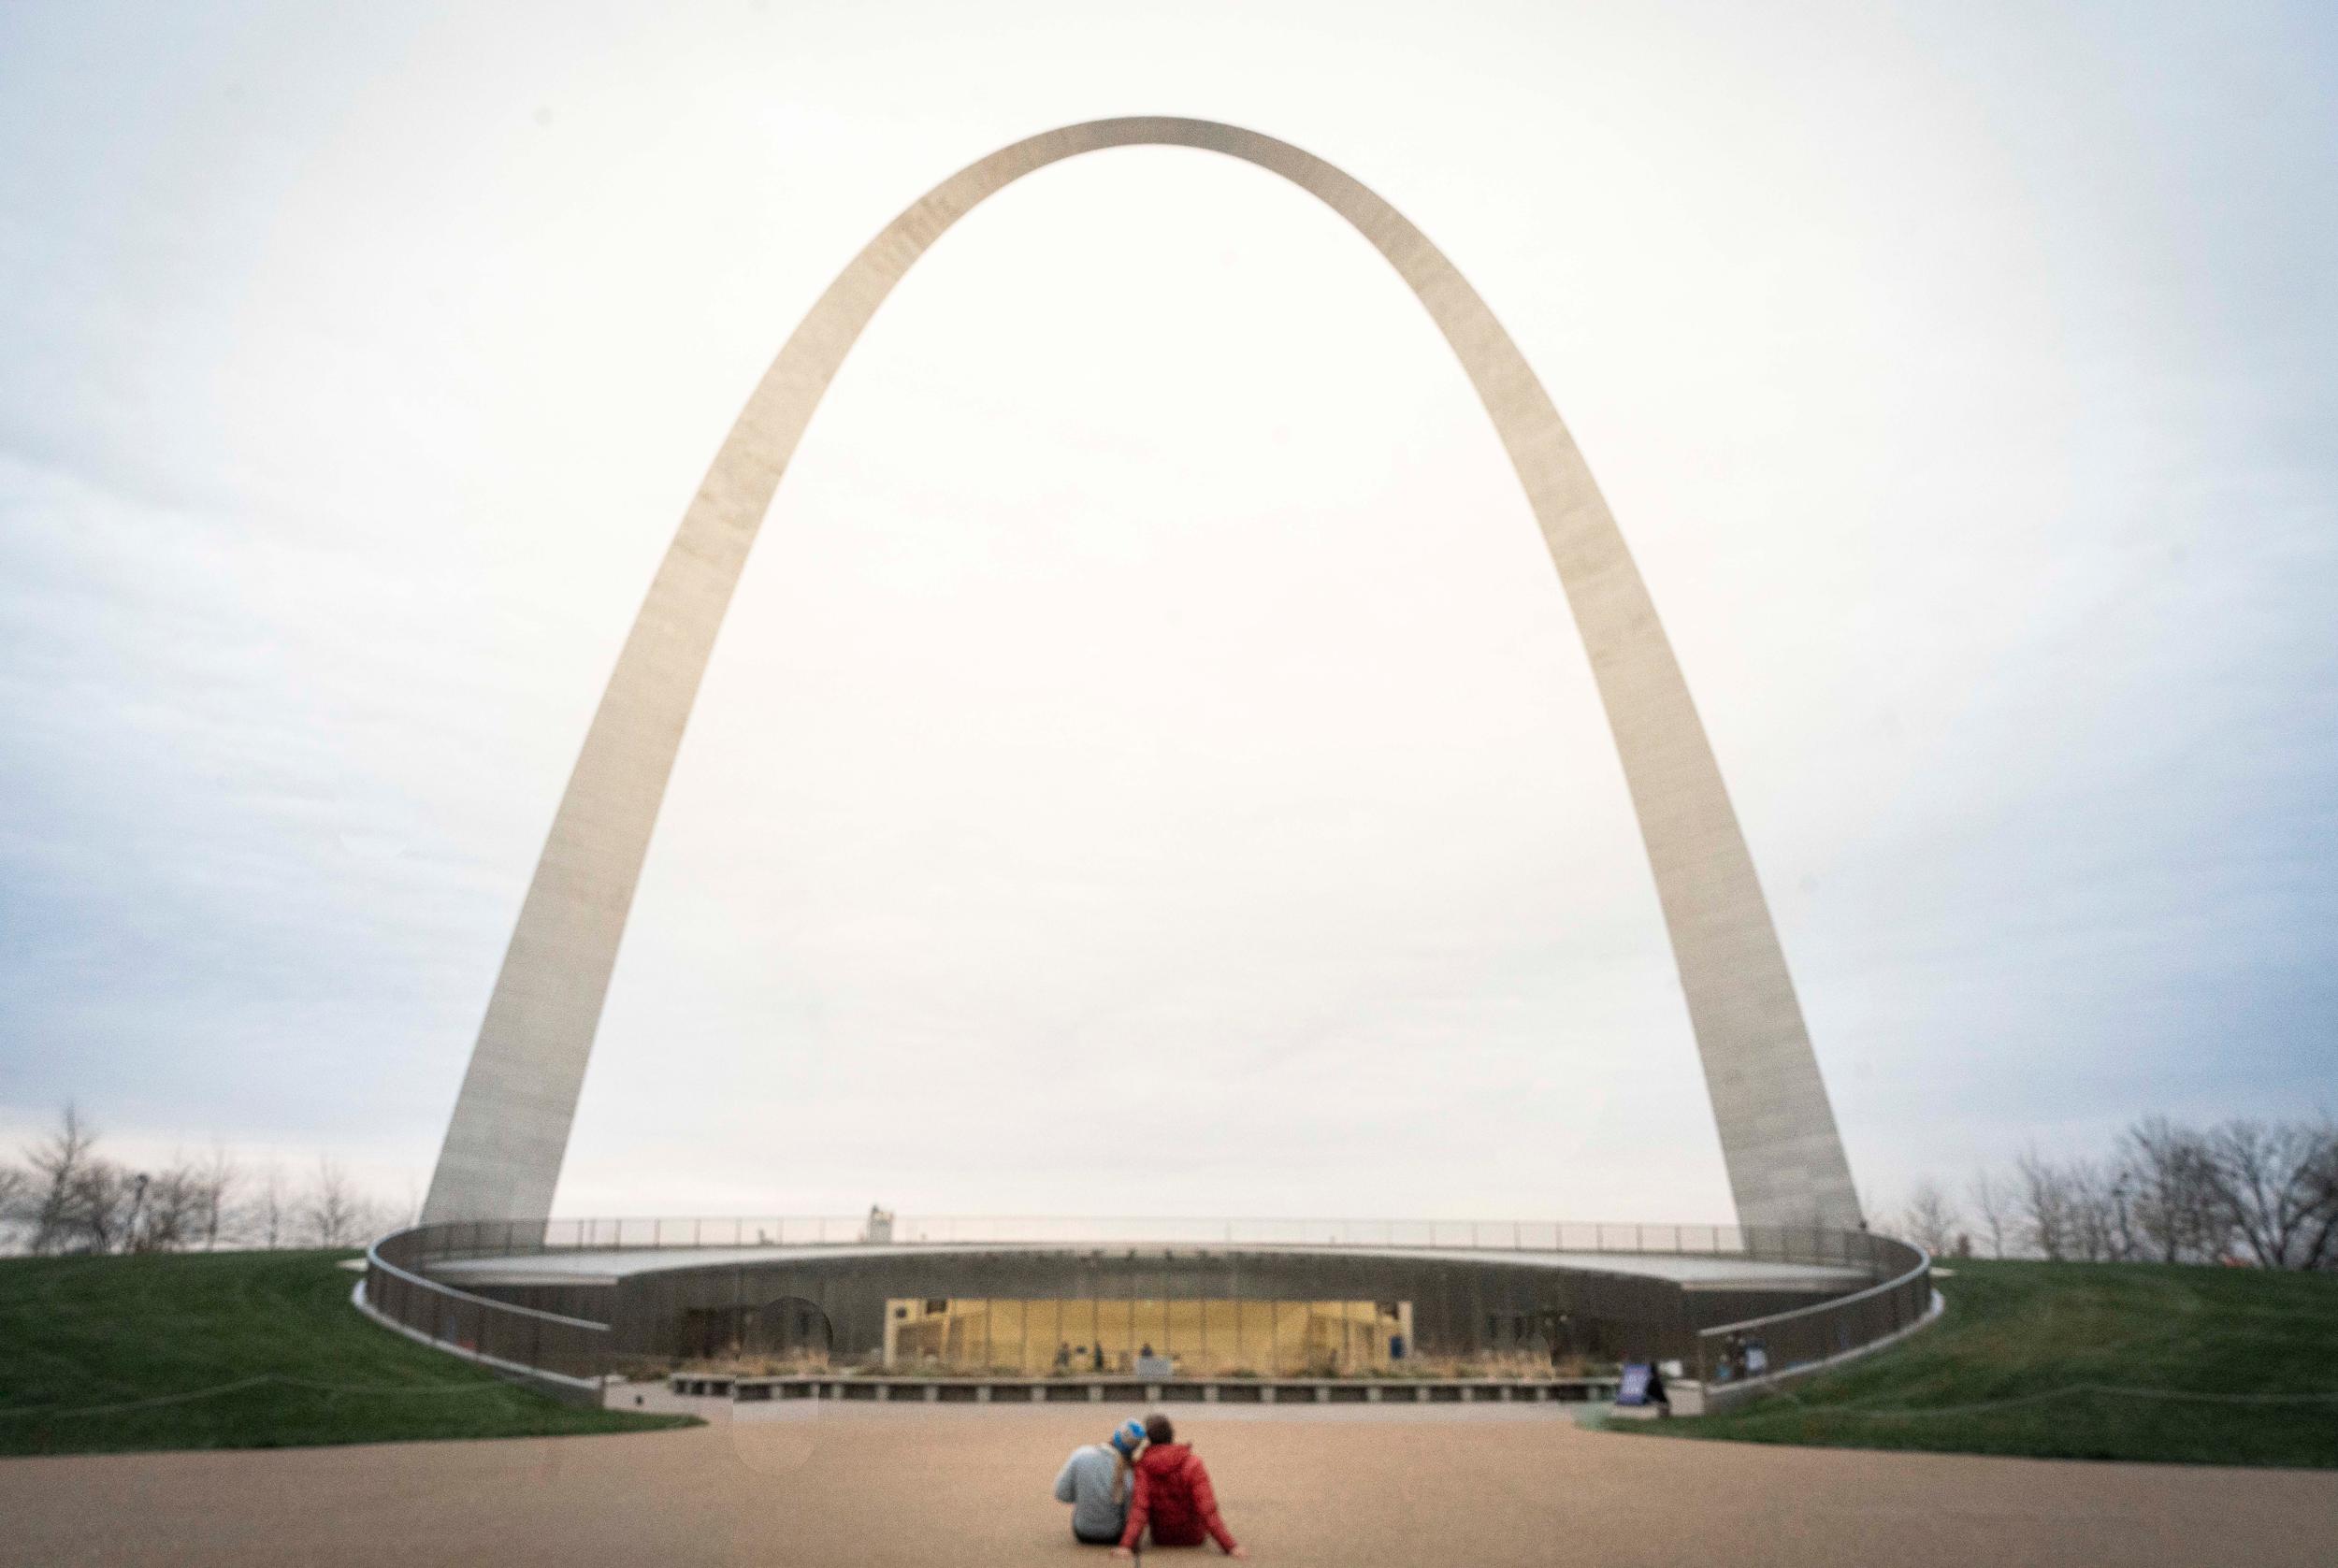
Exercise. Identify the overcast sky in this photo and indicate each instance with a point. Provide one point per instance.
(1148, 767)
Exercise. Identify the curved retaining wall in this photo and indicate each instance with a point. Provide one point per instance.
(1483, 1300)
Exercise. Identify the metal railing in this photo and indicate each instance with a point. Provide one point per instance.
(398, 1288)
(523, 1339)
(1797, 1243)
(1806, 1336)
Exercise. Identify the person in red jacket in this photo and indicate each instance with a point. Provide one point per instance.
(1173, 1494)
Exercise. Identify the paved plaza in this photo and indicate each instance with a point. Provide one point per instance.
(968, 1488)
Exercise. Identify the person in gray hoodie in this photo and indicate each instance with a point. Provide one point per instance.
(1097, 1480)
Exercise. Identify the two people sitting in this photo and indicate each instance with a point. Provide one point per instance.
(1142, 1475)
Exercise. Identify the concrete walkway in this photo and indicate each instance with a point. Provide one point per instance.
(1694, 1270)
(1352, 1486)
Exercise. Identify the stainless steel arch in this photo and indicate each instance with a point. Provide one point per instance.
(510, 1130)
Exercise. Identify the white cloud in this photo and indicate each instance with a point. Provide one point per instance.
(1150, 723)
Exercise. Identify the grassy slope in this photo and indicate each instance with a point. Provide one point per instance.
(84, 1331)
(2016, 1330)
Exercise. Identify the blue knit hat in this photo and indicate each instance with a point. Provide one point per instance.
(1129, 1436)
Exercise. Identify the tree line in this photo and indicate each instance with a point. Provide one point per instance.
(2247, 1191)
(66, 1196)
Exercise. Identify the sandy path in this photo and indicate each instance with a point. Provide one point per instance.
(957, 1486)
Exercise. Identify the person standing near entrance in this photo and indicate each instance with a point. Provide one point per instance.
(1174, 1496)
(1097, 1481)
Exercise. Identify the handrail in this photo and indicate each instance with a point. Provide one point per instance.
(1446, 1221)
(1836, 1302)
(1801, 1337)
(375, 1261)
(572, 1352)
(1809, 1243)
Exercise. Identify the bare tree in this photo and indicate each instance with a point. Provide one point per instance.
(55, 1165)
(272, 1209)
(1994, 1204)
(98, 1206)
(78, 1201)
(1930, 1219)
(169, 1212)
(334, 1212)
(2320, 1245)
(2045, 1204)
(2099, 1229)
(16, 1188)
(217, 1179)
(2171, 1178)
(2272, 1182)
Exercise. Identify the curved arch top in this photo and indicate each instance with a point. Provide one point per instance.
(510, 1130)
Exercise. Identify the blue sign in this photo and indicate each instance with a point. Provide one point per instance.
(1633, 1389)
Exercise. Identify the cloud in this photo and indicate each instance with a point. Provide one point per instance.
(1150, 715)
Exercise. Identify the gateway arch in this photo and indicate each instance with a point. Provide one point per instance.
(510, 1130)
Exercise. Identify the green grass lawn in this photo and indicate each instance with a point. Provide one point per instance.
(2075, 1361)
(77, 1334)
